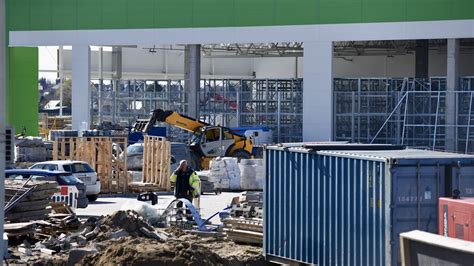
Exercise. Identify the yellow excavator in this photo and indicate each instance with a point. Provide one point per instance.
(208, 141)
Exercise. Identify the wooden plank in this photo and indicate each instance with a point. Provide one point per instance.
(156, 158)
(63, 149)
(55, 150)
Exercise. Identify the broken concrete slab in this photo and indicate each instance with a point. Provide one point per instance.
(119, 234)
(76, 255)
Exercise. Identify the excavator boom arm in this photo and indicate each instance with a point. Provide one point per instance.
(177, 120)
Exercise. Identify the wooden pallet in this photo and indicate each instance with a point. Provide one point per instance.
(102, 153)
(144, 187)
(156, 162)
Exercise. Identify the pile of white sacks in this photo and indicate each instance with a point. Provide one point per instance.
(228, 174)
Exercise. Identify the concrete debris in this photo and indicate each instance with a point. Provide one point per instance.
(119, 234)
(25, 251)
(77, 254)
(126, 237)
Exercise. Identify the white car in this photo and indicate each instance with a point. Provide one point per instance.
(81, 170)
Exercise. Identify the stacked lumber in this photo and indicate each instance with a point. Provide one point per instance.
(156, 163)
(245, 221)
(28, 201)
(241, 230)
(19, 229)
(139, 187)
(102, 153)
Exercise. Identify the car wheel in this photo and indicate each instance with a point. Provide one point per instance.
(93, 198)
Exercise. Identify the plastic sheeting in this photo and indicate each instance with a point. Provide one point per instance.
(224, 172)
(229, 174)
(252, 174)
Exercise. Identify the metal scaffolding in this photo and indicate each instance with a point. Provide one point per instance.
(402, 111)
(276, 104)
(123, 101)
(367, 110)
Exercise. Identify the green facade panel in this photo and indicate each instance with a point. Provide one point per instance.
(254, 13)
(89, 14)
(172, 14)
(307, 10)
(22, 89)
(340, 11)
(64, 13)
(384, 10)
(40, 14)
(114, 12)
(214, 12)
(142, 13)
(136, 14)
(18, 14)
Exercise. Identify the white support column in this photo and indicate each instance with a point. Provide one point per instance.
(452, 83)
(317, 91)
(3, 63)
(81, 61)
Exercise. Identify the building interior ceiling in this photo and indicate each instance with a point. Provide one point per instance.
(341, 49)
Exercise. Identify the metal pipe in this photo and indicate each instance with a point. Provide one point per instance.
(389, 116)
(436, 120)
(404, 119)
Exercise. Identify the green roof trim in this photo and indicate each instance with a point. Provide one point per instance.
(26, 15)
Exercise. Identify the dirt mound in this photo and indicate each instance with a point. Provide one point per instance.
(141, 251)
(182, 250)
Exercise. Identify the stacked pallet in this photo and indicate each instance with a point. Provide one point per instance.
(30, 201)
(243, 230)
(245, 221)
(104, 154)
(156, 166)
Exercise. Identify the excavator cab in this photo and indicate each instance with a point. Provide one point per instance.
(212, 141)
(208, 141)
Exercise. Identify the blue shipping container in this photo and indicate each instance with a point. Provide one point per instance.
(349, 207)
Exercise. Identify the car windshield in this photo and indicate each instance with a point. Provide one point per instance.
(50, 167)
(135, 149)
(78, 168)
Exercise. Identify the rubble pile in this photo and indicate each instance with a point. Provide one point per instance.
(28, 201)
(121, 224)
(126, 238)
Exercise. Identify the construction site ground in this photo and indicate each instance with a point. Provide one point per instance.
(106, 205)
(114, 235)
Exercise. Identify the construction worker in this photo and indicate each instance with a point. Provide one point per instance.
(186, 182)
